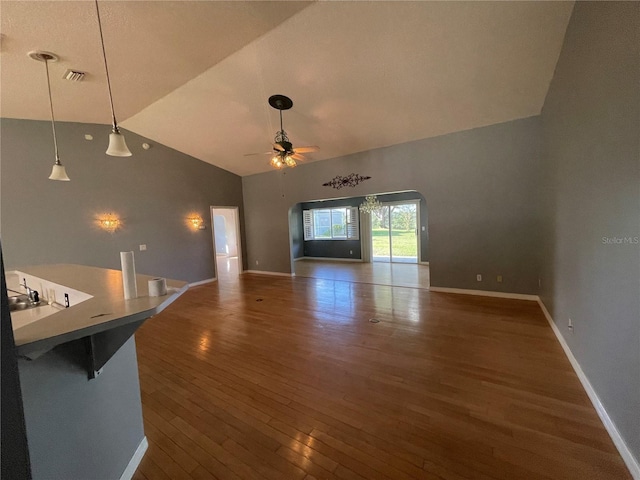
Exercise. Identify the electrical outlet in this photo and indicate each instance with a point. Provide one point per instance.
(479, 277)
(499, 278)
(570, 324)
(143, 247)
(539, 282)
(257, 262)
(350, 252)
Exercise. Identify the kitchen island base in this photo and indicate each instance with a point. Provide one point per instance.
(76, 426)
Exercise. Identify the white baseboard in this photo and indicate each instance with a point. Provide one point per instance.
(264, 272)
(331, 259)
(625, 453)
(202, 282)
(485, 293)
(135, 460)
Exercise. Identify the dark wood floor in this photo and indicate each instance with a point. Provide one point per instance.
(278, 378)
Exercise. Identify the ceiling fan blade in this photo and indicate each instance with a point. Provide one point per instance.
(297, 156)
(256, 153)
(279, 147)
(309, 149)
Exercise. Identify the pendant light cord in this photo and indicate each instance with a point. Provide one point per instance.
(53, 121)
(106, 68)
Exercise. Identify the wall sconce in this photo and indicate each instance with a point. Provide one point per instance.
(196, 222)
(109, 222)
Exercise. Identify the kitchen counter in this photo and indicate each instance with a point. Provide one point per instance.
(79, 371)
(106, 309)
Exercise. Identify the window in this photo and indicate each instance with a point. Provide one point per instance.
(331, 224)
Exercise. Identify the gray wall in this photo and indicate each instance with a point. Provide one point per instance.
(481, 188)
(78, 428)
(153, 191)
(591, 125)
(342, 248)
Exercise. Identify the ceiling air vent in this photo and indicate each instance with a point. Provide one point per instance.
(74, 75)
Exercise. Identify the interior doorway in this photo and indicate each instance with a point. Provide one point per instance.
(395, 233)
(225, 226)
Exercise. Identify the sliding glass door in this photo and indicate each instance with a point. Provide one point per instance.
(394, 232)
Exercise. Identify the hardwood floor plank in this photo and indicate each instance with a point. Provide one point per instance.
(150, 469)
(194, 449)
(171, 449)
(165, 463)
(286, 378)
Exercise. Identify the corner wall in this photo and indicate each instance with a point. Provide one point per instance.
(481, 188)
(591, 228)
(154, 192)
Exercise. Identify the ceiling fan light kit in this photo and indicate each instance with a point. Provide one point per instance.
(284, 153)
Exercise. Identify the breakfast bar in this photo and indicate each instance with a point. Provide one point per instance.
(78, 368)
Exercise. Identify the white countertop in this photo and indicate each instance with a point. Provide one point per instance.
(105, 310)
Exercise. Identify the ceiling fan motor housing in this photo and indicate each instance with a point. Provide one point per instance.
(287, 146)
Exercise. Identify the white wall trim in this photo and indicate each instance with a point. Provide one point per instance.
(625, 453)
(423, 263)
(202, 282)
(485, 293)
(135, 460)
(264, 272)
(330, 259)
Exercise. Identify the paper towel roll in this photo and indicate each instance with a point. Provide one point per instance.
(128, 275)
(157, 287)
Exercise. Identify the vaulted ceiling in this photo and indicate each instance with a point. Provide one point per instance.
(196, 75)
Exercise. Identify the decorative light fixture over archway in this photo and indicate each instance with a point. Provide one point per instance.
(370, 205)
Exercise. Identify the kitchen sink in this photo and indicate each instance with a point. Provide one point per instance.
(21, 302)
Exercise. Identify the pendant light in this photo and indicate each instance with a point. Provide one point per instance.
(58, 172)
(117, 145)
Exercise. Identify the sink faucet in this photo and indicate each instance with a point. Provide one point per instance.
(34, 297)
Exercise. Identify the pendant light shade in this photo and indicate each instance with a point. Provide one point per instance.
(117, 145)
(58, 172)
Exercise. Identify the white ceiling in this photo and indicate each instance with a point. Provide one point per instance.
(196, 75)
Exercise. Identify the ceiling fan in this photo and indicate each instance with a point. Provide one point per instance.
(283, 154)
